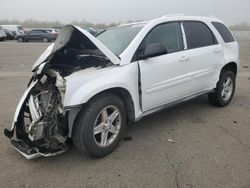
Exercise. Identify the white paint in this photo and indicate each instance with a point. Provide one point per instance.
(164, 79)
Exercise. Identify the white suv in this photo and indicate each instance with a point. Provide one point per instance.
(89, 89)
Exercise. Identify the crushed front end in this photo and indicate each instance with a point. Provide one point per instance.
(40, 123)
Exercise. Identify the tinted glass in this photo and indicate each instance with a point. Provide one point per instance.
(117, 39)
(198, 34)
(33, 32)
(169, 35)
(224, 32)
(44, 31)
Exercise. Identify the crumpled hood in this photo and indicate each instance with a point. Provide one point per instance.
(67, 34)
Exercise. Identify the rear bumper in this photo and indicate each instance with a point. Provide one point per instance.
(52, 39)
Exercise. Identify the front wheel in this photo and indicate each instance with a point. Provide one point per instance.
(100, 125)
(225, 89)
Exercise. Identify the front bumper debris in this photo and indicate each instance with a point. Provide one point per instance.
(32, 153)
(25, 143)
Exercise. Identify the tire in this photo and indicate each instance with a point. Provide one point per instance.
(223, 93)
(90, 138)
(45, 39)
(20, 39)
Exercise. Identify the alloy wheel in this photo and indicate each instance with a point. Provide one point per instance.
(227, 88)
(107, 126)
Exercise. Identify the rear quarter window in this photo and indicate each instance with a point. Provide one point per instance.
(224, 32)
(198, 34)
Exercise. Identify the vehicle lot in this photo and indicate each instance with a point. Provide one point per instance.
(211, 145)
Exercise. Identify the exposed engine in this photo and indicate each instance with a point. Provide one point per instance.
(44, 121)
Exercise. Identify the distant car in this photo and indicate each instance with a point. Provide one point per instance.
(15, 29)
(9, 34)
(53, 31)
(37, 35)
(2, 34)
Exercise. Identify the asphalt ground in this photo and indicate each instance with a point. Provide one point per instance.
(211, 145)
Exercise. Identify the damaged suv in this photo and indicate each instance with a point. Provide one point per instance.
(88, 89)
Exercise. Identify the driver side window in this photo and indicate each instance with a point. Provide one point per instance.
(168, 34)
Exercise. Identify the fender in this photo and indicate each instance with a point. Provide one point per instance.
(231, 54)
(83, 85)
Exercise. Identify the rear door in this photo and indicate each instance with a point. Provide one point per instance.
(204, 53)
(40, 35)
(33, 35)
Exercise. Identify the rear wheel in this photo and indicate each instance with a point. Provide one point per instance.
(225, 89)
(100, 125)
(45, 39)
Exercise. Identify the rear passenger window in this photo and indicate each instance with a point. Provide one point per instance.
(198, 34)
(224, 32)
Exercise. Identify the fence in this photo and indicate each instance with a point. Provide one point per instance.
(242, 35)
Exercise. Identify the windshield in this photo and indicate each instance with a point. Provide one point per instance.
(117, 39)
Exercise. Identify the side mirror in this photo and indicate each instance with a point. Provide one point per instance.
(152, 50)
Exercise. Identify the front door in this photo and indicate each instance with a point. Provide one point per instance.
(166, 77)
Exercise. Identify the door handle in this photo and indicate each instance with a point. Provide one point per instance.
(216, 50)
(183, 58)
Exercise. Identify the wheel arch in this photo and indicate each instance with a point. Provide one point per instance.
(120, 92)
(231, 66)
(126, 98)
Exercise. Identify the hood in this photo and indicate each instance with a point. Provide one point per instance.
(71, 34)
